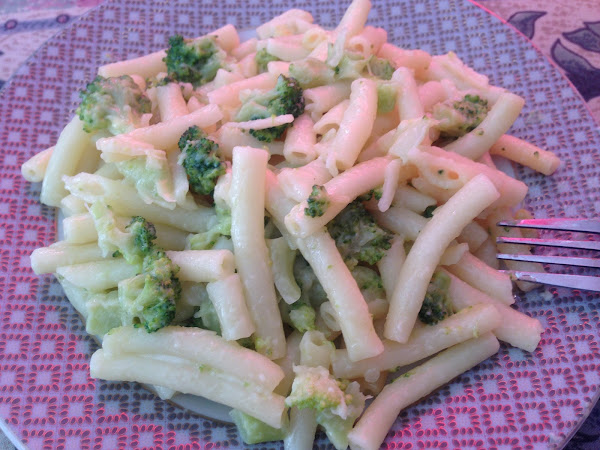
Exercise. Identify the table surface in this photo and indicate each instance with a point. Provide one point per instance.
(569, 36)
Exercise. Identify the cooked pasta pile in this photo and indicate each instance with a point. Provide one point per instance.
(285, 224)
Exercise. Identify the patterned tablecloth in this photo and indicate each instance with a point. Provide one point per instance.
(567, 32)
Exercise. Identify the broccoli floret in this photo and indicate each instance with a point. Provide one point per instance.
(357, 236)
(193, 62)
(318, 201)
(200, 159)
(457, 118)
(134, 242)
(207, 239)
(436, 306)
(285, 98)
(263, 58)
(381, 68)
(149, 299)
(253, 431)
(337, 403)
(115, 104)
(144, 234)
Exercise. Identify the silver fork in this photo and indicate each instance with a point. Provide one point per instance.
(589, 283)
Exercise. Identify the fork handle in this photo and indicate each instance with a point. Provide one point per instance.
(578, 225)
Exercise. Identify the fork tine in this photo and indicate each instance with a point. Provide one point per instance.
(564, 260)
(586, 245)
(580, 225)
(586, 283)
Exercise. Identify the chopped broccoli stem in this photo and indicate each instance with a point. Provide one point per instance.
(386, 98)
(253, 431)
(317, 201)
(115, 104)
(457, 118)
(150, 176)
(207, 239)
(193, 62)
(436, 306)
(357, 236)
(201, 160)
(285, 98)
(103, 314)
(302, 317)
(381, 68)
(263, 58)
(311, 72)
(206, 317)
(351, 66)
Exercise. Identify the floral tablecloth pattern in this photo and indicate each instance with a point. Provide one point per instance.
(566, 32)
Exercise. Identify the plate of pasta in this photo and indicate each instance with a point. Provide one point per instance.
(289, 239)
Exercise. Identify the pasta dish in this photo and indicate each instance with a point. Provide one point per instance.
(300, 226)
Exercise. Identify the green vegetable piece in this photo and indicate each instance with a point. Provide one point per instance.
(115, 104)
(149, 299)
(381, 68)
(351, 67)
(133, 243)
(428, 213)
(437, 305)
(285, 98)
(337, 403)
(207, 314)
(193, 62)
(253, 431)
(207, 239)
(311, 72)
(357, 236)
(263, 58)
(103, 314)
(318, 201)
(149, 179)
(303, 317)
(144, 234)
(386, 97)
(201, 161)
(372, 194)
(457, 118)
